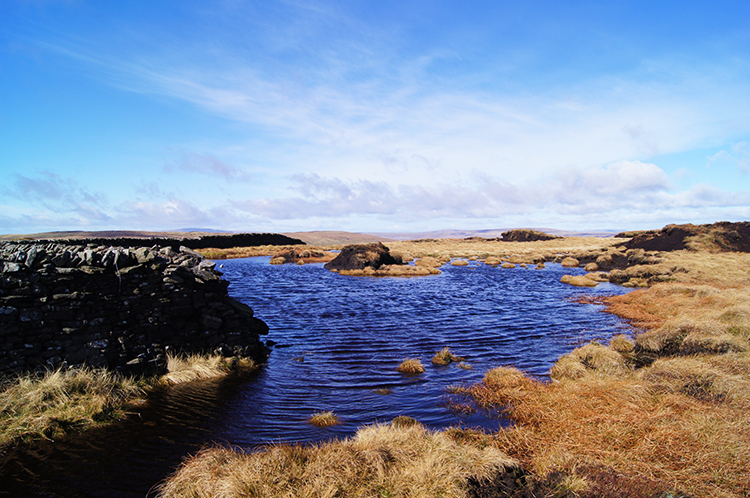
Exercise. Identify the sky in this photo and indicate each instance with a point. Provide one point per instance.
(387, 116)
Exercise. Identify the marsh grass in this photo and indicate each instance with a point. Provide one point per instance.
(398, 459)
(49, 405)
(324, 419)
(679, 424)
(411, 366)
(445, 357)
(188, 368)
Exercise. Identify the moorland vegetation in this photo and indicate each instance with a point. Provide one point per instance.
(664, 413)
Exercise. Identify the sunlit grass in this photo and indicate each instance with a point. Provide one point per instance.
(398, 459)
(324, 419)
(50, 404)
(445, 357)
(411, 366)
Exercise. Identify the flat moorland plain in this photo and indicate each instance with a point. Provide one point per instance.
(662, 413)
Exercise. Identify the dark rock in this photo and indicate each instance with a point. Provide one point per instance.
(525, 235)
(113, 311)
(360, 256)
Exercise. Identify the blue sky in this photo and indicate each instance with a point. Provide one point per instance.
(372, 116)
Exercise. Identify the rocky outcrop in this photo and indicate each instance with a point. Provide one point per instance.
(116, 307)
(719, 237)
(525, 235)
(361, 256)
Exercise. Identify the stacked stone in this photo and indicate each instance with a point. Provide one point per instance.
(116, 307)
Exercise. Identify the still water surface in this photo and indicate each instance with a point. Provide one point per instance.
(339, 341)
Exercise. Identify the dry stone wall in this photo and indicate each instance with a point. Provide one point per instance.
(118, 307)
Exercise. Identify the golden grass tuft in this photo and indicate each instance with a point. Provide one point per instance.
(492, 261)
(579, 280)
(429, 262)
(411, 366)
(49, 405)
(445, 357)
(459, 262)
(324, 419)
(591, 358)
(379, 461)
(622, 344)
(189, 368)
(570, 262)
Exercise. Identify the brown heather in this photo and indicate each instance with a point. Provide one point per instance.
(668, 413)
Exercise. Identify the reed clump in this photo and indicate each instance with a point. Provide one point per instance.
(192, 367)
(445, 357)
(411, 366)
(49, 405)
(324, 419)
(381, 460)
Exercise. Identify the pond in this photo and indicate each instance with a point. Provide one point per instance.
(339, 341)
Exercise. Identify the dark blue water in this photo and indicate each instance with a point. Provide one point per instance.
(345, 338)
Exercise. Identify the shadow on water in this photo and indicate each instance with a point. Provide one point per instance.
(340, 340)
(128, 458)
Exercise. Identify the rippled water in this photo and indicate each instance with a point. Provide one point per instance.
(340, 340)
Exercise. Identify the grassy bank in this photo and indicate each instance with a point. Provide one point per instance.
(379, 461)
(51, 404)
(667, 412)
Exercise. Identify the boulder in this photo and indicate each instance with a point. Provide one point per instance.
(361, 256)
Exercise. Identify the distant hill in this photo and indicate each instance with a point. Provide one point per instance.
(486, 234)
(334, 238)
(78, 234)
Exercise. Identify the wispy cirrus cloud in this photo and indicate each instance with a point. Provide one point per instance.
(59, 194)
(738, 155)
(205, 164)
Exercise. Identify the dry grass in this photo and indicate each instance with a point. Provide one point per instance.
(249, 252)
(411, 366)
(681, 422)
(445, 357)
(188, 368)
(396, 460)
(579, 280)
(392, 271)
(324, 419)
(48, 405)
(514, 252)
